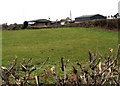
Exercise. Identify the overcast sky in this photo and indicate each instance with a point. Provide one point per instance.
(17, 11)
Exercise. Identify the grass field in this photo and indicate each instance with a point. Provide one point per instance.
(72, 43)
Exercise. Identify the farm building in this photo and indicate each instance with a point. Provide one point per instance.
(40, 22)
(89, 17)
(66, 21)
(44, 23)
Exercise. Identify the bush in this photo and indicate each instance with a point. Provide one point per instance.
(4, 26)
(25, 25)
(101, 71)
(110, 24)
(14, 26)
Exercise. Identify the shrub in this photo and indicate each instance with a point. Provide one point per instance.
(101, 71)
(25, 25)
(110, 24)
(4, 26)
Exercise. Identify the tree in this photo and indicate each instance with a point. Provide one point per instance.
(25, 25)
(116, 15)
(4, 26)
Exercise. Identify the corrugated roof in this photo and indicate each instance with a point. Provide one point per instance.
(88, 16)
(39, 20)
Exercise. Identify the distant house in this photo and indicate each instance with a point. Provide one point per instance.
(66, 21)
(40, 22)
(89, 17)
(44, 23)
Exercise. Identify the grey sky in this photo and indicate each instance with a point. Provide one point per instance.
(17, 11)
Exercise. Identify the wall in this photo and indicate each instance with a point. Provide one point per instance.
(82, 19)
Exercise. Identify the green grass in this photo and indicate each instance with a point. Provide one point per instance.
(72, 43)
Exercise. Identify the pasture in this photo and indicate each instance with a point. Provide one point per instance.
(71, 43)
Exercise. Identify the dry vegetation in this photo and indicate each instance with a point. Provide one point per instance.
(101, 71)
(108, 24)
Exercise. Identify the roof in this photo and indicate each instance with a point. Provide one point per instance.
(39, 20)
(89, 16)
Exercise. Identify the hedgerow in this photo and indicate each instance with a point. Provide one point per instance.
(102, 70)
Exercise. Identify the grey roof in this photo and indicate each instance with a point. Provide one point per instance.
(88, 16)
(39, 20)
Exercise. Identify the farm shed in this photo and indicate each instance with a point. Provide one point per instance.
(89, 17)
(40, 22)
(66, 21)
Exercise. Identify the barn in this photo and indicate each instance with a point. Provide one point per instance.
(41, 22)
(89, 17)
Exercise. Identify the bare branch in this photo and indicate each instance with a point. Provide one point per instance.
(43, 64)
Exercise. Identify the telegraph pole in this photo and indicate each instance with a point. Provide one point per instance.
(70, 15)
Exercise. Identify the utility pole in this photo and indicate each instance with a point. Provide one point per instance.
(70, 15)
(119, 8)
